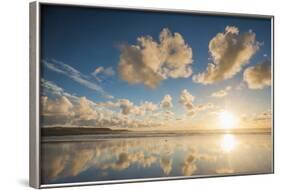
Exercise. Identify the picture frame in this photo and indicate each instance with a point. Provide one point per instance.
(40, 135)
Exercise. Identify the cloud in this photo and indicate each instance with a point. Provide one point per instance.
(54, 163)
(63, 111)
(229, 51)
(126, 106)
(58, 111)
(109, 104)
(101, 72)
(61, 106)
(221, 93)
(240, 86)
(186, 99)
(125, 160)
(257, 120)
(168, 115)
(258, 76)
(69, 110)
(189, 166)
(140, 109)
(203, 107)
(77, 76)
(54, 89)
(167, 102)
(80, 161)
(224, 171)
(149, 106)
(84, 110)
(75, 158)
(149, 62)
(228, 88)
(166, 165)
(266, 115)
(207, 158)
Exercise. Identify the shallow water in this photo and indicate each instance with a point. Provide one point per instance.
(154, 157)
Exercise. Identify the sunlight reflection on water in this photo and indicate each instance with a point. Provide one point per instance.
(228, 142)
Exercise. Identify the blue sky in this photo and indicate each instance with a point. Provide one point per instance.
(86, 39)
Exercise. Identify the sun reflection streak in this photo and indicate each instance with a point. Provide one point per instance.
(228, 143)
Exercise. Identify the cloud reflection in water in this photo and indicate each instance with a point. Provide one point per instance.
(109, 159)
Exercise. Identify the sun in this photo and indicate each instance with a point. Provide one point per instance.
(227, 120)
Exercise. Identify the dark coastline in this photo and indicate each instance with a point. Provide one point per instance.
(76, 131)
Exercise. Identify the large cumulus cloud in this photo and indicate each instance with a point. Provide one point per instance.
(149, 62)
(229, 51)
(187, 99)
(258, 76)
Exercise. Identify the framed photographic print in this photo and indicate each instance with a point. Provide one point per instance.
(120, 94)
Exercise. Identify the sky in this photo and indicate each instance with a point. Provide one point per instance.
(141, 69)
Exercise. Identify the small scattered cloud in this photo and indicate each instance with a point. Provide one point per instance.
(266, 115)
(126, 106)
(261, 119)
(167, 101)
(258, 76)
(186, 99)
(100, 73)
(168, 115)
(221, 93)
(240, 86)
(149, 62)
(229, 51)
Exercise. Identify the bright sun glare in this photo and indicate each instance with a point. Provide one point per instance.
(227, 120)
(228, 143)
